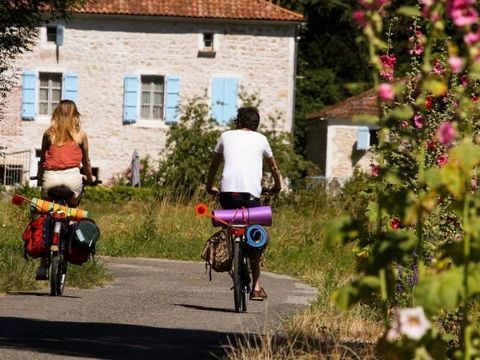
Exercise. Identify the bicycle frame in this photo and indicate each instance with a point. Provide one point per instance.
(57, 259)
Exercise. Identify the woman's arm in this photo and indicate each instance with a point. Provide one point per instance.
(43, 151)
(87, 167)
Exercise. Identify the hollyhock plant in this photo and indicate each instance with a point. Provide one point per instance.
(431, 145)
(386, 92)
(446, 133)
(442, 160)
(462, 12)
(395, 223)
(388, 65)
(375, 170)
(428, 102)
(411, 322)
(456, 64)
(438, 67)
(472, 38)
(418, 121)
(360, 18)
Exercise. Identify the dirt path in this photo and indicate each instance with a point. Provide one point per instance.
(155, 309)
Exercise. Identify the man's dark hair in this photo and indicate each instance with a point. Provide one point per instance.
(248, 117)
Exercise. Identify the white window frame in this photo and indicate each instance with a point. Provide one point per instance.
(151, 118)
(45, 119)
(150, 123)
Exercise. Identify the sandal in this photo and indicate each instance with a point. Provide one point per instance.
(258, 295)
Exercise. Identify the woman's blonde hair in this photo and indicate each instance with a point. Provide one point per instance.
(65, 123)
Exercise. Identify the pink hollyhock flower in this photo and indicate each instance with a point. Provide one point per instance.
(438, 67)
(464, 81)
(429, 102)
(442, 160)
(404, 125)
(360, 18)
(474, 98)
(375, 170)
(388, 64)
(431, 145)
(472, 38)
(395, 223)
(446, 133)
(456, 63)
(417, 50)
(386, 92)
(464, 16)
(418, 121)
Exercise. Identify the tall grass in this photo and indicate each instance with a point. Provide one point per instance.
(18, 273)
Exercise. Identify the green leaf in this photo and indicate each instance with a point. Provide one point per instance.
(435, 85)
(346, 296)
(366, 118)
(440, 291)
(408, 11)
(467, 155)
(401, 112)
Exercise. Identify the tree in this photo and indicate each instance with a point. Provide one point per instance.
(19, 23)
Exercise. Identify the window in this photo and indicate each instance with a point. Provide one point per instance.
(52, 34)
(208, 41)
(207, 45)
(152, 97)
(50, 92)
(42, 91)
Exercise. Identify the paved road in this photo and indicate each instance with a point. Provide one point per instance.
(154, 309)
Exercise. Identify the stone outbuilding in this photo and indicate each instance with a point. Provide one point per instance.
(337, 143)
(129, 65)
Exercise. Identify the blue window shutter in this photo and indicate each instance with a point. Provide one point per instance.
(130, 99)
(224, 99)
(230, 99)
(70, 85)
(60, 32)
(173, 95)
(29, 95)
(363, 138)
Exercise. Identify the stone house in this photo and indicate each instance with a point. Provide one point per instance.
(129, 64)
(337, 143)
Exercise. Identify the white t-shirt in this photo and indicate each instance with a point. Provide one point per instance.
(243, 152)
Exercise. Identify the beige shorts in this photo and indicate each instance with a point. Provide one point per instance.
(70, 178)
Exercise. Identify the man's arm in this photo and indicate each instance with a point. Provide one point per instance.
(212, 171)
(272, 164)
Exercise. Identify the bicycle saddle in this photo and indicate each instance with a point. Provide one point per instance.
(60, 193)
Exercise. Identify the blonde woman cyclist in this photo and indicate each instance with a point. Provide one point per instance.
(64, 150)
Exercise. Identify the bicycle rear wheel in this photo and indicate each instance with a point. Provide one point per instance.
(239, 290)
(58, 274)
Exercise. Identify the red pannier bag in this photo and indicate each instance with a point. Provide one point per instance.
(36, 236)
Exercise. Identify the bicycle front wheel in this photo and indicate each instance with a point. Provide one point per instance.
(239, 293)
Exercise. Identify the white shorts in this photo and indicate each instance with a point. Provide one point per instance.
(70, 178)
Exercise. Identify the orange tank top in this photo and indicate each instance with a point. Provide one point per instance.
(66, 156)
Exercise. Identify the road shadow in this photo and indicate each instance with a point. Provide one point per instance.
(111, 341)
(209, 308)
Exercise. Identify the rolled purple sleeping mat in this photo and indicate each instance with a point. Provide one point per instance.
(261, 215)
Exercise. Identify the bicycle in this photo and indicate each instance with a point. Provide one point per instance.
(63, 220)
(244, 228)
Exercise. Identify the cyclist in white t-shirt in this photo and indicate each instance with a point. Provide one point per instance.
(243, 151)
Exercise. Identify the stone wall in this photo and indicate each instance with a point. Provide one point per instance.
(102, 50)
(341, 146)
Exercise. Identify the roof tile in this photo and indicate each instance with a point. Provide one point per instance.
(215, 9)
(364, 103)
